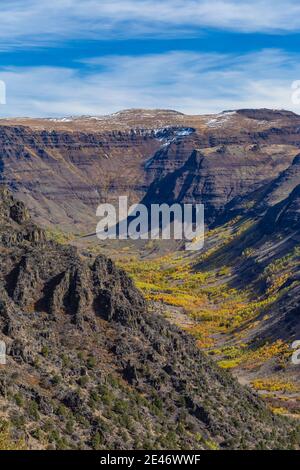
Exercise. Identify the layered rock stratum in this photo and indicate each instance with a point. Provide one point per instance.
(63, 168)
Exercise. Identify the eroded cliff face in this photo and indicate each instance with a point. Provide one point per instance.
(218, 176)
(63, 175)
(89, 367)
(64, 168)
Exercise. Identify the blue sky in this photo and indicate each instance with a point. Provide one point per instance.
(71, 57)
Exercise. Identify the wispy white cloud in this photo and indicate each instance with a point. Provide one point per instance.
(186, 81)
(33, 22)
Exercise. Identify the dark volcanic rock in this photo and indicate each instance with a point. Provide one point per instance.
(281, 187)
(217, 177)
(284, 215)
(87, 363)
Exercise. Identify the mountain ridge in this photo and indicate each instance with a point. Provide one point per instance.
(83, 353)
(61, 172)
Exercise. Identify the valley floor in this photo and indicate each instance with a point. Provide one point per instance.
(203, 294)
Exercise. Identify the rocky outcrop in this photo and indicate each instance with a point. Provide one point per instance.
(89, 367)
(15, 223)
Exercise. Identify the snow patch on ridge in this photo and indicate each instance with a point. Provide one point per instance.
(167, 136)
(220, 119)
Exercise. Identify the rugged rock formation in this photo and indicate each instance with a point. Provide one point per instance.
(216, 177)
(64, 168)
(89, 367)
(15, 222)
(282, 186)
(285, 215)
